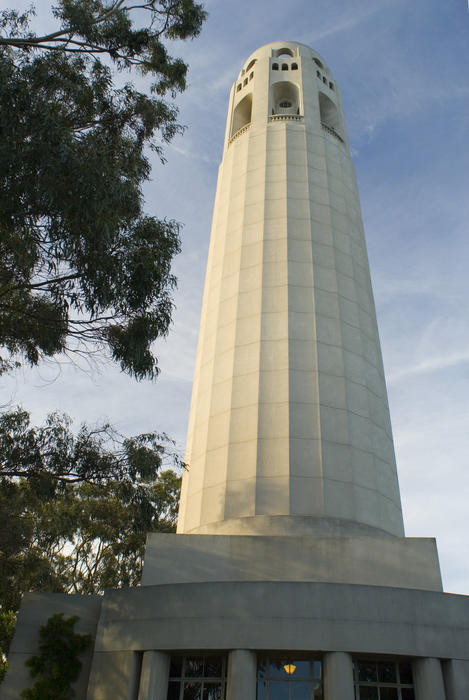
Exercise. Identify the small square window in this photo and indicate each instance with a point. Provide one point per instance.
(194, 667)
(367, 672)
(192, 691)
(387, 673)
(212, 691)
(213, 667)
(368, 692)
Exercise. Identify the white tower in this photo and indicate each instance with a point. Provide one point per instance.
(290, 578)
(289, 429)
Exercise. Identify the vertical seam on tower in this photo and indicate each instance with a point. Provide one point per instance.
(261, 321)
(315, 344)
(226, 219)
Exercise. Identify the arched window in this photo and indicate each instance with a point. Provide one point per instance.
(242, 114)
(285, 98)
(238, 87)
(331, 85)
(251, 76)
(329, 113)
(283, 52)
(284, 66)
(274, 66)
(318, 74)
(294, 66)
(318, 63)
(251, 64)
(324, 80)
(245, 81)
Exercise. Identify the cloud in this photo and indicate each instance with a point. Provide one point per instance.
(428, 365)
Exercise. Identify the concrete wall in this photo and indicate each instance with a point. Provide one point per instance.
(286, 616)
(379, 561)
(330, 619)
(36, 609)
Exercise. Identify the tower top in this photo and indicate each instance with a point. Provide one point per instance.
(283, 49)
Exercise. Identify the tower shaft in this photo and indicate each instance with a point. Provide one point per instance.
(289, 429)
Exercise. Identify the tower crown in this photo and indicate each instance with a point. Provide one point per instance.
(284, 81)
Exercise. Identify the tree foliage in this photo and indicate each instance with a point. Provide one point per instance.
(81, 265)
(7, 629)
(75, 509)
(58, 663)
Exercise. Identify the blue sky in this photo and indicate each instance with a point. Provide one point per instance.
(403, 69)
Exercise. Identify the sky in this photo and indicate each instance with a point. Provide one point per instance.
(403, 70)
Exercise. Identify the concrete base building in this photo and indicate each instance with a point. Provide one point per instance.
(290, 577)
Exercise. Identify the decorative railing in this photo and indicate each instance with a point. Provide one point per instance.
(332, 131)
(239, 132)
(286, 117)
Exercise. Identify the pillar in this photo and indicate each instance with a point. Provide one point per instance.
(428, 680)
(338, 676)
(456, 676)
(154, 676)
(242, 675)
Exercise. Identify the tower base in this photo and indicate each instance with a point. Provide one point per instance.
(396, 562)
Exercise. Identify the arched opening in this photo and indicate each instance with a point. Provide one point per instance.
(294, 66)
(329, 113)
(245, 81)
(318, 63)
(284, 66)
(331, 85)
(283, 52)
(285, 98)
(251, 64)
(274, 66)
(238, 87)
(318, 74)
(251, 76)
(324, 80)
(242, 114)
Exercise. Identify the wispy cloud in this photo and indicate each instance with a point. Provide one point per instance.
(428, 365)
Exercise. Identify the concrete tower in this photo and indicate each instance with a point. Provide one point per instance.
(290, 577)
(289, 428)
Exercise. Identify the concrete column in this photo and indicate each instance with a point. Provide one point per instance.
(338, 676)
(428, 680)
(242, 675)
(154, 676)
(456, 677)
